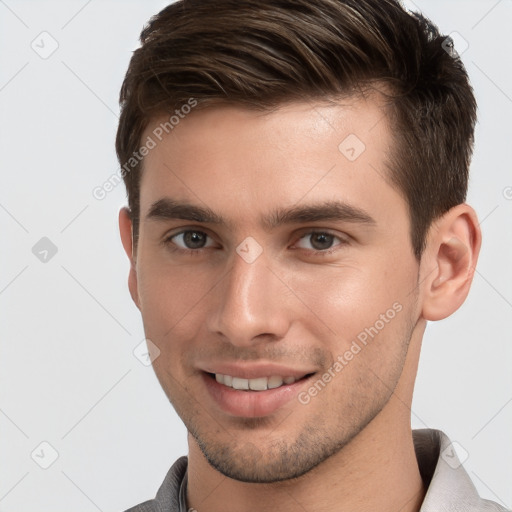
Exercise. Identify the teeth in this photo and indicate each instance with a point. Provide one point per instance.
(274, 382)
(240, 383)
(259, 384)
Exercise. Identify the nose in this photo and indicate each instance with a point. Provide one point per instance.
(250, 306)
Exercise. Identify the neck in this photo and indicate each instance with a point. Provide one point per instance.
(376, 471)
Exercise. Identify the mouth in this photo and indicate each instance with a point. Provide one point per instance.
(253, 397)
(257, 384)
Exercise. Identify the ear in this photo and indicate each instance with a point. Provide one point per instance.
(449, 261)
(126, 231)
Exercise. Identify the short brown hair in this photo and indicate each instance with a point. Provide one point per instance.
(264, 53)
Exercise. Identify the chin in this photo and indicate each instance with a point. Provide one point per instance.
(282, 460)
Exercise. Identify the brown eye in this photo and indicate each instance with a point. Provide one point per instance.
(319, 241)
(194, 239)
(191, 239)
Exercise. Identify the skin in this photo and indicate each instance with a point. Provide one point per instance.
(350, 447)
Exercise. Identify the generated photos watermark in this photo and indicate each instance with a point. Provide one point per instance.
(100, 192)
(357, 345)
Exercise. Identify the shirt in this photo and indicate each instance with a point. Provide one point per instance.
(449, 488)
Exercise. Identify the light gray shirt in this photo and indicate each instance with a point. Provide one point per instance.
(449, 488)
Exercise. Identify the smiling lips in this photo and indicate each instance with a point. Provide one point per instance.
(258, 384)
(254, 391)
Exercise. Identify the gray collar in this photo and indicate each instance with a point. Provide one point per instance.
(449, 487)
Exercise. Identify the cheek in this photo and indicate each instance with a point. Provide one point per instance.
(172, 308)
(349, 298)
(367, 308)
(172, 297)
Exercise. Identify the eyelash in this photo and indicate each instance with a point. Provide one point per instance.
(318, 252)
(326, 252)
(187, 252)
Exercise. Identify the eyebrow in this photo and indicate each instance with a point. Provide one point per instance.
(169, 209)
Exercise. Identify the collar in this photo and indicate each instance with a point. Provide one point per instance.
(449, 487)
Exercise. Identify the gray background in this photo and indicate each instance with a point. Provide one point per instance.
(68, 373)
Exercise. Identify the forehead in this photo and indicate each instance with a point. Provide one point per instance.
(233, 159)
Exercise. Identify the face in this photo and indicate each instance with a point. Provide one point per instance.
(274, 255)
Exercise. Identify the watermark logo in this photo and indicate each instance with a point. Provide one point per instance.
(45, 45)
(352, 147)
(454, 45)
(454, 455)
(44, 455)
(249, 250)
(146, 352)
(44, 250)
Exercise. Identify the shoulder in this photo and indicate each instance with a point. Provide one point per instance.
(168, 496)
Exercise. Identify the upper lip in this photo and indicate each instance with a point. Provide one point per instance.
(251, 370)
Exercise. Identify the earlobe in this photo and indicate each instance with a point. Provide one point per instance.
(453, 247)
(126, 232)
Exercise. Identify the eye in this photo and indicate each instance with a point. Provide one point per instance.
(191, 239)
(319, 241)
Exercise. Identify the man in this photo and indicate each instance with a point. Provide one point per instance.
(296, 175)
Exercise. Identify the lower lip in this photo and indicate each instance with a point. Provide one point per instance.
(251, 404)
